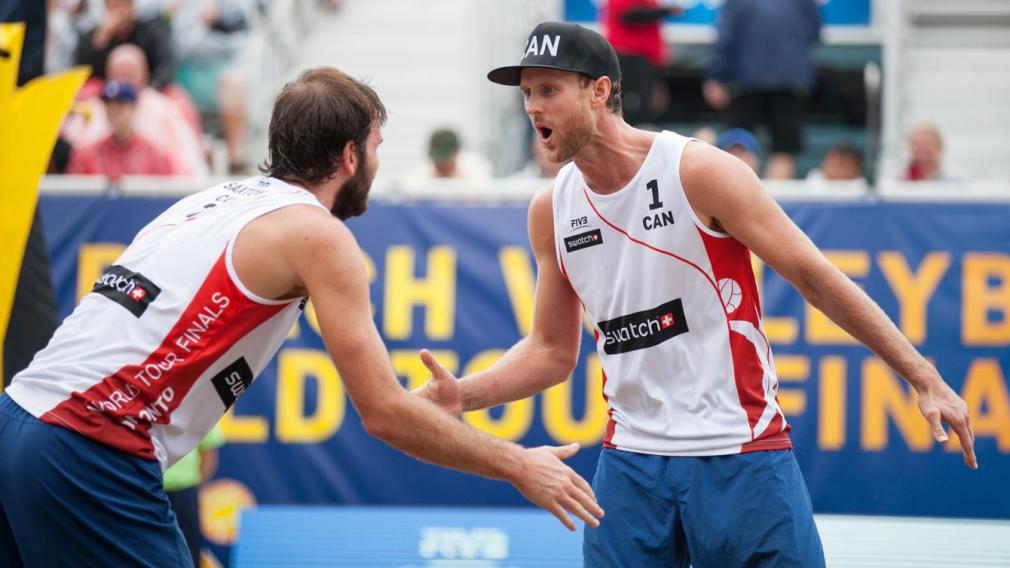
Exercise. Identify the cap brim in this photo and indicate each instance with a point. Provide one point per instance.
(511, 74)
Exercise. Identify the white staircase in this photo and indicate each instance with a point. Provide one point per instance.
(427, 60)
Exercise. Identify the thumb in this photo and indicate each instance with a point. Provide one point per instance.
(565, 452)
(437, 370)
(937, 427)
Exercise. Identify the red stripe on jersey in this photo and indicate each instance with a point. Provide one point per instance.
(748, 374)
(119, 410)
(608, 438)
(730, 259)
(648, 246)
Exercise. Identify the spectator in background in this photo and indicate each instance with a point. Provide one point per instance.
(447, 160)
(123, 151)
(121, 26)
(760, 68)
(841, 162)
(208, 36)
(182, 485)
(706, 134)
(743, 145)
(158, 118)
(634, 28)
(925, 148)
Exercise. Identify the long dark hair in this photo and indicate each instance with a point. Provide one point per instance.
(314, 117)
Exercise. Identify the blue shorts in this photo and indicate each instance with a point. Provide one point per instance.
(708, 512)
(68, 501)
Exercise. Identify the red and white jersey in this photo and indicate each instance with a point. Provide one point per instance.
(687, 369)
(169, 337)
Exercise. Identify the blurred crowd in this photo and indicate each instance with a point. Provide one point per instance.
(169, 91)
(166, 82)
(756, 83)
(758, 78)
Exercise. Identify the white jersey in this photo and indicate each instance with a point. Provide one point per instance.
(687, 369)
(169, 337)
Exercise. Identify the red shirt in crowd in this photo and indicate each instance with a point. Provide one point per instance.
(114, 160)
(644, 40)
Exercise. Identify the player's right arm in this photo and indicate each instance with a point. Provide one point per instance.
(550, 352)
(305, 250)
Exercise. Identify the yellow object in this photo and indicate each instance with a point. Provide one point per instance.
(29, 120)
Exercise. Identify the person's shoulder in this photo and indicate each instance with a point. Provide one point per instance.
(544, 198)
(700, 158)
(541, 211)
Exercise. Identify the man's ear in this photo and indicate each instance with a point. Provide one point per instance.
(601, 90)
(349, 157)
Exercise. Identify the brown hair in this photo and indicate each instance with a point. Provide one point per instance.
(614, 100)
(314, 117)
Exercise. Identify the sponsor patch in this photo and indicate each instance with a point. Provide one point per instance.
(129, 289)
(232, 381)
(583, 240)
(644, 329)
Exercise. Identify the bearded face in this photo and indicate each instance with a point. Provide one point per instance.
(559, 105)
(573, 133)
(352, 199)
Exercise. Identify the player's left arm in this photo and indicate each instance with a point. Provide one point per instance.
(726, 195)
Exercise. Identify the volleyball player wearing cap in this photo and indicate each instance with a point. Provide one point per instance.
(651, 235)
(180, 325)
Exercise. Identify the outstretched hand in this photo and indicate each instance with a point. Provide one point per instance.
(442, 388)
(939, 404)
(551, 484)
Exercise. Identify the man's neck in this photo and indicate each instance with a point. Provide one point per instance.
(325, 192)
(122, 138)
(614, 155)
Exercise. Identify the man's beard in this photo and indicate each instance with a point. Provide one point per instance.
(352, 198)
(572, 137)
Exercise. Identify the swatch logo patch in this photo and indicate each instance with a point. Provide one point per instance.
(583, 240)
(644, 329)
(232, 381)
(129, 289)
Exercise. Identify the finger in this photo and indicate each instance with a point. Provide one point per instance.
(587, 500)
(574, 507)
(971, 430)
(967, 444)
(565, 452)
(590, 495)
(933, 417)
(437, 370)
(558, 511)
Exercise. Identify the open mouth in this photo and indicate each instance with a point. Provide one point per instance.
(545, 134)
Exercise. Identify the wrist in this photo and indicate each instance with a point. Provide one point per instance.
(511, 465)
(925, 377)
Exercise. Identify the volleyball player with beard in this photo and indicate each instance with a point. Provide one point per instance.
(180, 325)
(650, 234)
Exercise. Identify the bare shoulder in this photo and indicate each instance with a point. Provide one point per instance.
(301, 227)
(541, 216)
(274, 253)
(543, 202)
(714, 179)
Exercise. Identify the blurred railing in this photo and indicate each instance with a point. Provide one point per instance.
(508, 190)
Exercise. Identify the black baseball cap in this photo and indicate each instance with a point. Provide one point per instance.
(564, 46)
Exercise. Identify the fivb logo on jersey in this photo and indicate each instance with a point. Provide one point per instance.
(129, 289)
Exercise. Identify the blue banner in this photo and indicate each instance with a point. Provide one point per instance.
(705, 12)
(399, 537)
(459, 280)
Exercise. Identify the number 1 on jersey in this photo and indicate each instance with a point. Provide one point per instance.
(653, 185)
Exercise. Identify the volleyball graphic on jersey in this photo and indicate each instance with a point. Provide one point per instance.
(730, 293)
